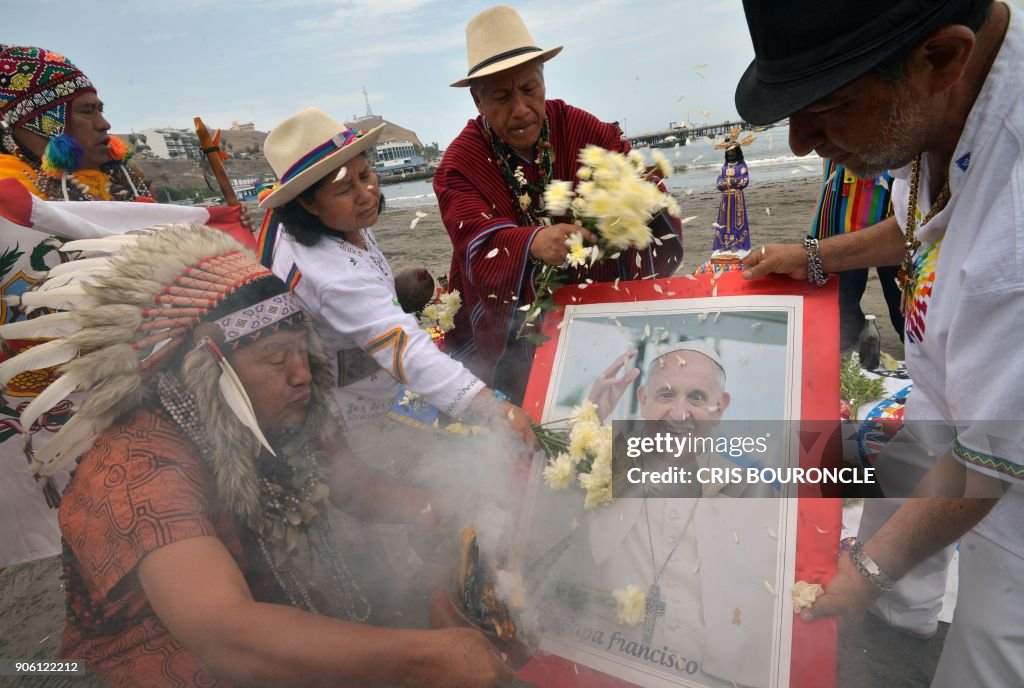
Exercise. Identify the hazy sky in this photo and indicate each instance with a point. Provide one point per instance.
(162, 63)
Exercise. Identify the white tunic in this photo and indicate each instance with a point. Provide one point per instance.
(350, 294)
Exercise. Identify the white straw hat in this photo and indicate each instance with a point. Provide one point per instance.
(308, 146)
(496, 40)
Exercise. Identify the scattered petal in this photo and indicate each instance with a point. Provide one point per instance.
(696, 566)
(735, 533)
(615, 255)
(341, 174)
(690, 277)
(688, 192)
(771, 533)
(490, 254)
(647, 331)
(427, 509)
(768, 587)
(804, 595)
(756, 326)
(658, 289)
(639, 261)
(821, 530)
(769, 211)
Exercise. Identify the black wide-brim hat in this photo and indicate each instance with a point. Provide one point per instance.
(805, 50)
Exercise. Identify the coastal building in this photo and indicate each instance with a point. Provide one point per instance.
(172, 144)
(242, 126)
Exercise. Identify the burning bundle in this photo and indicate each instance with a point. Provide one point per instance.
(476, 592)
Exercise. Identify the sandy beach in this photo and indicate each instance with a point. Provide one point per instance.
(32, 598)
(791, 204)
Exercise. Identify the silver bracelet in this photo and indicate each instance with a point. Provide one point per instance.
(869, 569)
(815, 275)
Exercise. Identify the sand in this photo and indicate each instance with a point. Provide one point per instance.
(791, 203)
(32, 598)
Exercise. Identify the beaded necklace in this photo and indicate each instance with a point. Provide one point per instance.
(284, 492)
(527, 198)
(75, 186)
(908, 273)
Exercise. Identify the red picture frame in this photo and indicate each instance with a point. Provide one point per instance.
(819, 516)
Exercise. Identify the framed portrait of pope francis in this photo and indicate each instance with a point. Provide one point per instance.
(672, 563)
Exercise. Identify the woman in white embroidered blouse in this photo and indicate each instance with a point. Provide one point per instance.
(327, 202)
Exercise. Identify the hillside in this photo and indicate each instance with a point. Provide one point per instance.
(246, 148)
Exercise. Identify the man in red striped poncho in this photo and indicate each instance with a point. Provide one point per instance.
(490, 187)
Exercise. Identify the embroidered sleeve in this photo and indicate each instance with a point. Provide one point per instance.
(985, 383)
(366, 310)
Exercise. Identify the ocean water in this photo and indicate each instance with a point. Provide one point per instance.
(696, 163)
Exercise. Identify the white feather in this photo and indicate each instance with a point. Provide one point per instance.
(238, 401)
(90, 264)
(44, 327)
(73, 440)
(38, 357)
(50, 397)
(61, 297)
(116, 243)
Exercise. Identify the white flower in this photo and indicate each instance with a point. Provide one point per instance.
(637, 159)
(665, 168)
(557, 197)
(581, 438)
(559, 472)
(593, 156)
(586, 412)
(580, 255)
(630, 605)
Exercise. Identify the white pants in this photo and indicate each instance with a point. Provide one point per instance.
(985, 644)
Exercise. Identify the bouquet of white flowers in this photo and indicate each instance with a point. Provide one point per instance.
(584, 457)
(614, 199)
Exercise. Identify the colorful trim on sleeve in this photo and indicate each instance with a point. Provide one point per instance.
(294, 275)
(986, 461)
(397, 338)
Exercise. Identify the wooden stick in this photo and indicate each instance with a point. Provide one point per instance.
(213, 154)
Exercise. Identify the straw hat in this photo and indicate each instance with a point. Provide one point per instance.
(308, 146)
(496, 40)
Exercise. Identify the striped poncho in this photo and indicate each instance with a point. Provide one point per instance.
(491, 264)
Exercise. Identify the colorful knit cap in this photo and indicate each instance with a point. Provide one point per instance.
(36, 88)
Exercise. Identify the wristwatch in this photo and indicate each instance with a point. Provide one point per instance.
(815, 275)
(869, 568)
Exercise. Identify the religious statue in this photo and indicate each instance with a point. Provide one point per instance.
(732, 229)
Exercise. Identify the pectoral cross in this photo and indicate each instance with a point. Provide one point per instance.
(654, 606)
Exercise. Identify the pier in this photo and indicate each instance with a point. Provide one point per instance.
(681, 134)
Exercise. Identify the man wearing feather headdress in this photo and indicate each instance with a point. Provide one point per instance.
(54, 141)
(210, 460)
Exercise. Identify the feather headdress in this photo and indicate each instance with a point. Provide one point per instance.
(130, 313)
